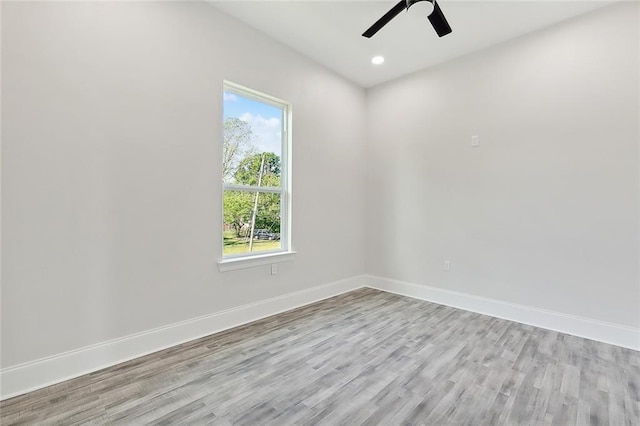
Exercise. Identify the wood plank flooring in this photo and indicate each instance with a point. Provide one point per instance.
(365, 357)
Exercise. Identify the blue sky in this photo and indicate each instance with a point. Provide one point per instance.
(265, 120)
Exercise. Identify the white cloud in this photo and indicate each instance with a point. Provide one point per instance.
(229, 97)
(268, 132)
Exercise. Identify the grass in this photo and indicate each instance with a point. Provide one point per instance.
(235, 245)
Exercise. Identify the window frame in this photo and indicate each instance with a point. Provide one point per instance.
(285, 252)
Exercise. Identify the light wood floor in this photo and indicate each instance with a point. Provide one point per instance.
(365, 357)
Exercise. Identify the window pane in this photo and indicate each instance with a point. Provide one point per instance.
(252, 141)
(239, 218)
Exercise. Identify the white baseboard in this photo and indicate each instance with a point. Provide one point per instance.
(33, 375)
(614, 334)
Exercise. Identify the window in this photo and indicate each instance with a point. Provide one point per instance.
(255, 175)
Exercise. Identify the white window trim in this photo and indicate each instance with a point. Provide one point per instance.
(285, 253)
(264, 258)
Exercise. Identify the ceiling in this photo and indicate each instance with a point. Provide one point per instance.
(329, 32)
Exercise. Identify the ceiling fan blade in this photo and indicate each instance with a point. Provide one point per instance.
(438, 21)
(402, 5)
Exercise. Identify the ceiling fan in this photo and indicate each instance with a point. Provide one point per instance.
(436, 17)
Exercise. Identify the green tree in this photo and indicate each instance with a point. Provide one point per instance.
(238, 205)
(248, 170)
(237, 210)
(268, 216)
(237, 144)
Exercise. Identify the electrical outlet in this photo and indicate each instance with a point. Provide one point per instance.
(274, 268)
(446, 265)
(475, 141)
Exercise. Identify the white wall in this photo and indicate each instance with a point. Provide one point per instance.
(545, 212)
(111, 169)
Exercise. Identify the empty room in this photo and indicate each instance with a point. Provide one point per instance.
(349, 212)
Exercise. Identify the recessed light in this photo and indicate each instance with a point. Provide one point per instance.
(377, 60)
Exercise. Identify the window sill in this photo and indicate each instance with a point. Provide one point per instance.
(233, 264)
